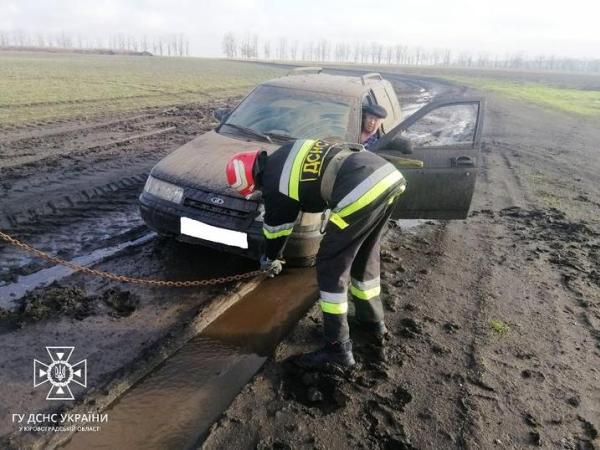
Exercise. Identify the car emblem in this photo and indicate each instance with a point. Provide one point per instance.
(217, 200)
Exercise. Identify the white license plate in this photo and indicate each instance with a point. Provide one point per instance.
(200, 230)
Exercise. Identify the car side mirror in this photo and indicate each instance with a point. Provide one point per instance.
(400, 144)
(221, 114)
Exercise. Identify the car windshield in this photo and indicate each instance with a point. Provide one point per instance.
(298, 114)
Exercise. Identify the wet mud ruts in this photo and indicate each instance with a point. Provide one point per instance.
(59, 301)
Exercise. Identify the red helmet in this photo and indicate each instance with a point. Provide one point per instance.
(239, 172)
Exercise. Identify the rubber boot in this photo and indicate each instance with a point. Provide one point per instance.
(339, 353)
(374, 335)
(375, 332)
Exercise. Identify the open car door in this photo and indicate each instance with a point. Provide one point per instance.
(442, 168)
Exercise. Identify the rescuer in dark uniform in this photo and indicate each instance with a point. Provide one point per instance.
(359, 188)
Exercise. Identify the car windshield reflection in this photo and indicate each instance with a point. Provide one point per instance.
(294, 114)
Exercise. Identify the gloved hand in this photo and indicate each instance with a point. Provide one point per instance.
(273, 266)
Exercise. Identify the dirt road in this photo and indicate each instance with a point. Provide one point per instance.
(495, 321)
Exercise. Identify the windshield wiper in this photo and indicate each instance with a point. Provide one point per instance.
(249, 131)
(286, 137)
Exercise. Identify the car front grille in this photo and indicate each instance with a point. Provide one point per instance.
(216, 209)
(230, 212)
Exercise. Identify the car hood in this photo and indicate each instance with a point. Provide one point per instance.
(201, 162)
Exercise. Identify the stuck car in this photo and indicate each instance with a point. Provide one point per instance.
(187, 195)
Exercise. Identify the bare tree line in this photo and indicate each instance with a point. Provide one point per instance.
(166, 45)
(323, 50)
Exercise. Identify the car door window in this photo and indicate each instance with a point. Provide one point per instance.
(440, 171)
(445, 126)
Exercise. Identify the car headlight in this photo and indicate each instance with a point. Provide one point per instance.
(164, 190)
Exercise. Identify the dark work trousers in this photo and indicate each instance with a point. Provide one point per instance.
(350, 256)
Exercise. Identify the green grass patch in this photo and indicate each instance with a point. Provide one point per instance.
(550, 200)
(578, 101)
(537, 178)
(543, 185)
(38, 86)
(499, 327)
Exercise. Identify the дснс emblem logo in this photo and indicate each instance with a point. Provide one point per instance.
(60, 373)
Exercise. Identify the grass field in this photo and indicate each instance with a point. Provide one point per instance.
(579, 101)
(38, 86)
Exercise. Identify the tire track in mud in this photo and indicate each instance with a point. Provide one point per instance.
(47, 148)
(83, 199)
(155, 93)
(553, 227)
(95, 166)
(480, 393)
(531, 367)
(482, 285)
(81, 142)
(46, 129)
(526, 233)
(74, 230)
(150, 323)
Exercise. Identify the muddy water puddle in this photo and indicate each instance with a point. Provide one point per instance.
(174, 406)
(81, 232)
(10, 293)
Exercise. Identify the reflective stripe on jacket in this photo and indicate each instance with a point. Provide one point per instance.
(305, 157)
(292, 179)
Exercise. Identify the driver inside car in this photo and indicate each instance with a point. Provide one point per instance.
(373, 116)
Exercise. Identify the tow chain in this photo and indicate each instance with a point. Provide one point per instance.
(123, 278)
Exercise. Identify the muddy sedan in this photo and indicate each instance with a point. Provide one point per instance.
(187, 195)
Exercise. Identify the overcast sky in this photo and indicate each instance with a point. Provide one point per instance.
(563, 28)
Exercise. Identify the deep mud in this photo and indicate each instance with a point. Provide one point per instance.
(70, 188)
(71, 301)
(81, 160)
(113, 325)
(494, 321)
(572, 247)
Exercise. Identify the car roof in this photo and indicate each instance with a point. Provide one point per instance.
(336, 84)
